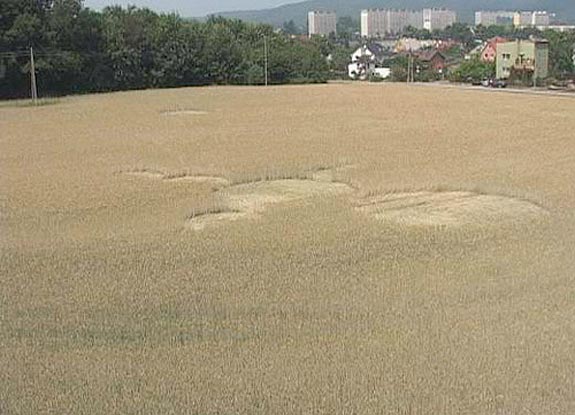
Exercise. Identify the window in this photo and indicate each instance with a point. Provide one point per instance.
(506, 56)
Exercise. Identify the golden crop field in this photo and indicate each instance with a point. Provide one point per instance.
(333, 249)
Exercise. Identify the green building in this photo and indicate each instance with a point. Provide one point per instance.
(526, 55)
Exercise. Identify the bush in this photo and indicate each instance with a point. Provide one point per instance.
(473, 70)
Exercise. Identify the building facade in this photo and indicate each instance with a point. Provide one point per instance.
(321, 23)
(381, 22)
(492, 18)
(523, 55)
(529, 19)
(438, 19)
(541, 18)
(519, 19)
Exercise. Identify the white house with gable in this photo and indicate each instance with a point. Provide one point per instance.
(366, 62)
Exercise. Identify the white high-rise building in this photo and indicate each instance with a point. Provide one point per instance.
(522, 19)
(438, 18)
(373, 23)
(321, 23)
(530, 18)
(491, 18)
(541, 18)
(399, 20)
(381, 22)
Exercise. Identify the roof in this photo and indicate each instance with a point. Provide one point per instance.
(497, 39)
(492, 43)
(375, 48)
(429, 54)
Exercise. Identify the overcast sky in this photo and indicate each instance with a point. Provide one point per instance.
(189, 8)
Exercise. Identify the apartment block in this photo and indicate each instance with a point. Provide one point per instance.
(438, 19)
(530, 18)
(321, 23)
(491, 18)
(381, 22)
(541, 18)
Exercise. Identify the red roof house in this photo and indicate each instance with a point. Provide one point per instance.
(489, 52)
(433, 59)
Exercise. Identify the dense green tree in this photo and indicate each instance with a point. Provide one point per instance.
(291, 28)
(561, 52)
(347, 29)
(413, 32)
(79, 50)
(459, 32)
(473, 70)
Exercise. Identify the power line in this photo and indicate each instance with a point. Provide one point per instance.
(26, 53)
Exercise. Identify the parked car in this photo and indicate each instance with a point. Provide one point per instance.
(494, 83)
(499, 83)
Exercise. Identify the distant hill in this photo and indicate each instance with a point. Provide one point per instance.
(297, 12)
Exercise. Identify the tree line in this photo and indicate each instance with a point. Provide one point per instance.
(81, 50)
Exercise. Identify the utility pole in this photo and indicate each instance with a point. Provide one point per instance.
(266, 60)
(33, 85)
(408, 67)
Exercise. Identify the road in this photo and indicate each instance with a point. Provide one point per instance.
(508, 90)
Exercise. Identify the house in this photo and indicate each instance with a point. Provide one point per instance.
(489, 51)
(406, 44)
(433, 59)
(372, 51)
(367, 61)
(523, 55)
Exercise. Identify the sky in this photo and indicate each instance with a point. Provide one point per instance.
(191, 8)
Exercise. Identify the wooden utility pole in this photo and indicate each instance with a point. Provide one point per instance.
(408, 67)
(266, 60)
(33, 85)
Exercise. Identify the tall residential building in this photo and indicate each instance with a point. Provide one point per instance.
(541, 18)
(321, 23)
(491, 18)
(536, 18)
(373, 23)
(438, 18)
(399, 20)
(523, 55)
(381, 22)
(522, 19)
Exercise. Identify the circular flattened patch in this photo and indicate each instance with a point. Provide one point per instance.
(448, 208)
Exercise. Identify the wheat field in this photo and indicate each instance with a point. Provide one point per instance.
(332, 249)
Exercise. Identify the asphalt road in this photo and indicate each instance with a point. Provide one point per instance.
(508, 90)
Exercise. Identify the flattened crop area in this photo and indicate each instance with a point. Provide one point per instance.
(449, 208)
(251, 200)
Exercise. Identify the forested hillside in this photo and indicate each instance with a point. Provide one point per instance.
(80, 50)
